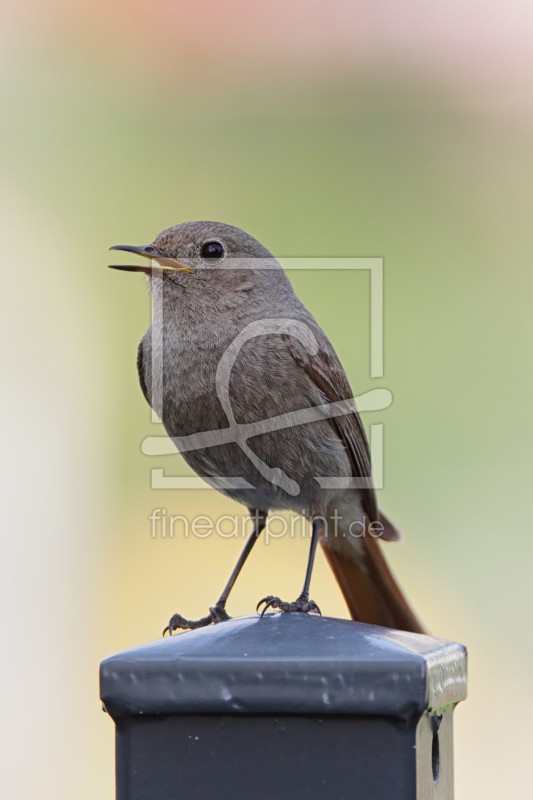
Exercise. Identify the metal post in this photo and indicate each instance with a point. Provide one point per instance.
(288, 707)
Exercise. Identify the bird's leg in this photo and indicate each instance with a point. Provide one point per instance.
(302, 603)
(218, 612)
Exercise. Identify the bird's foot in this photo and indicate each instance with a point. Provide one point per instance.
(216, 614)
(302, 604)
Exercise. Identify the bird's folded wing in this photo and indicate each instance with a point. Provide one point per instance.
(326, 372)
(140, 370)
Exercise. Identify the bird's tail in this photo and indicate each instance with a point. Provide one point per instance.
(370, 590)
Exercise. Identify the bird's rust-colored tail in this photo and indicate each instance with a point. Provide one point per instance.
(370, 590)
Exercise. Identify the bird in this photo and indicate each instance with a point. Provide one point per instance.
(252, 392)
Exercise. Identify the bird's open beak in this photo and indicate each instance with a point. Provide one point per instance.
(149, 251)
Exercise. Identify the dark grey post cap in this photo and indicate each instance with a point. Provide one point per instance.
(286, 664)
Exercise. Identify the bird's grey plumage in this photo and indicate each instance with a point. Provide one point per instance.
(232, 348)
(203, 313)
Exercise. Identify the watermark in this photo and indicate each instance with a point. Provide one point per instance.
(307, 350)
(164, 525)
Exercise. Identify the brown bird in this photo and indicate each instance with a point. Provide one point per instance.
(253, 394)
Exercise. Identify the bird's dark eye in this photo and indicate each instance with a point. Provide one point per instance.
(212, 251)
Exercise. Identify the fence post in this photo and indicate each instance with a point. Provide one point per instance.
(288, 707)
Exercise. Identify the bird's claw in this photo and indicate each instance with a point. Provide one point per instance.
(219, 614)
(216, 614)
(302, 604)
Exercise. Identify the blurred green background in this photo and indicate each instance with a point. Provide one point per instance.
(350, 132)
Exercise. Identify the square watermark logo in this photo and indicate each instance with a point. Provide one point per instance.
(303, 336)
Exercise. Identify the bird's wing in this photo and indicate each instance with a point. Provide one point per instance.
(140, 370)
(326, 372)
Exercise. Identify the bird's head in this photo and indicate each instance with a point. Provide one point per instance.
(195, 248)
